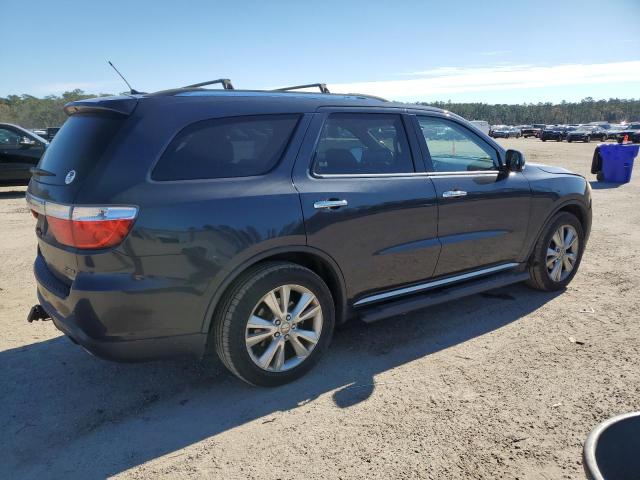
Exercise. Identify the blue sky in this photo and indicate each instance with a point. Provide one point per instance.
(491, 51)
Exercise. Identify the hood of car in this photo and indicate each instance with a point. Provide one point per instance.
(551, 169)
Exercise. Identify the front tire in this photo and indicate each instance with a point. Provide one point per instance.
(557, 254)
(274, 324)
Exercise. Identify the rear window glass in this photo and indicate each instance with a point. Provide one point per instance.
(78, 146)
(226, 147)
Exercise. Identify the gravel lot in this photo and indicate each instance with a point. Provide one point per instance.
(501, 385)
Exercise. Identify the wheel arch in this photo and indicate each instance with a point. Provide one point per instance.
(313, 259)
(574, 207)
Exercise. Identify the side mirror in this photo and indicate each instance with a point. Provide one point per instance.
(26, 142)
(514, 161)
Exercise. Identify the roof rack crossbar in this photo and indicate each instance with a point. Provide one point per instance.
(226, 84)
(322, 86)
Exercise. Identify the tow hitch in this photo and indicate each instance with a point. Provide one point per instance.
(37, 313)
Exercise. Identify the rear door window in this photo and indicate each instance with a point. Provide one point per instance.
(362, 144)
(226, 147)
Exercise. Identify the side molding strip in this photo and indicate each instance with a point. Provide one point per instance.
(436, 283)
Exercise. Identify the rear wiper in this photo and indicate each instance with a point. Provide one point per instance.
(41, 172)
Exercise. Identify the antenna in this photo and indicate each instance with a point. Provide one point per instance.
(131, 90)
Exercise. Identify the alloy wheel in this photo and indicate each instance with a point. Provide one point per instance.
(562, 253)
(284, 328)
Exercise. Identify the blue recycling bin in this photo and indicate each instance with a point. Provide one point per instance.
(614, 163)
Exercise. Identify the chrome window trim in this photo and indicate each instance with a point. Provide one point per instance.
(436, 283)
(414, 174)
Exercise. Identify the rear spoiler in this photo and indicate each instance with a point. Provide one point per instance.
(118, 105)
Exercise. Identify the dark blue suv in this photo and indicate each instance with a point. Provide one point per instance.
(252, 222)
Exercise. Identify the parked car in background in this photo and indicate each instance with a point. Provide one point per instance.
(495, 127)
(46, 133)
(532, 130)
(20, 151)
(552, 133)
(238, 227)
(482, 125)
(586, 133)
(505, 131)
(631, 131)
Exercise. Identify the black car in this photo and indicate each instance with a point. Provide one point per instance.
(586, 133)
(552, 133)
(249, 223)
(20, 151)
(557, 133)
(631, 132)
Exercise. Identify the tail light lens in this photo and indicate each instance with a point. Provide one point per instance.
(90, 227)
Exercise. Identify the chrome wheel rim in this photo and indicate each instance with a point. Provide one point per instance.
(284, 328)
(562, 253)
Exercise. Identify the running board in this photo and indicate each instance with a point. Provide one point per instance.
(419, 301)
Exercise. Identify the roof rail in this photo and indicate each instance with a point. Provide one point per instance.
(322, 86)
(368, 96)
(226, 84)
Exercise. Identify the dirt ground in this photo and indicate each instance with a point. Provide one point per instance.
(486, 387)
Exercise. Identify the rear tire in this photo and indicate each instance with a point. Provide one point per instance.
(544, 273)
(284, 352)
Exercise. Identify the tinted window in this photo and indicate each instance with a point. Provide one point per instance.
(353, 143)
(453, 148)
(78, 146)
(226, 147)
(8, 138)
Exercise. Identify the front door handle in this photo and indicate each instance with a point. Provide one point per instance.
(330, 204)
(454, 194)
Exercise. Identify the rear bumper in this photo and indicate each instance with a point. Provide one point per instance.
(116, 322)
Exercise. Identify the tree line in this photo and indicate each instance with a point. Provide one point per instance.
(614, 110)
(32, 112)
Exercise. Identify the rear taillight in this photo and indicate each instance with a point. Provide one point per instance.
(86, 227)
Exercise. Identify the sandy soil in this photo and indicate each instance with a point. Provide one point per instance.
(486, 387)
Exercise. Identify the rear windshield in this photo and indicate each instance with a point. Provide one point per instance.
(226, 147)
(78, 146)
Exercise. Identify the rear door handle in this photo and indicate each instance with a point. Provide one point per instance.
(330, 204)
(454, 194)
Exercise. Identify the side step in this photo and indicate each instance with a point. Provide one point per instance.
(417, 302)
